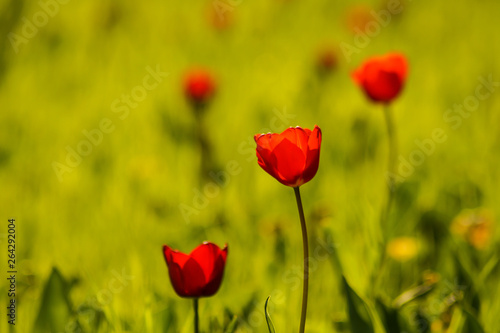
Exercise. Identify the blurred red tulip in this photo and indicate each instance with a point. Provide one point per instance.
(291, 157)
(327, 60)
(198, 274)
(357, 17)
(199, 86)
(382, 78)
(220, 15)
(474, 226)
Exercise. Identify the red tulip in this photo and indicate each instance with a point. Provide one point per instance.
(198, 274)
(220, 17)
(291, 157)
(327, 60)
(358, 17)
(382, 78)
(199, 86)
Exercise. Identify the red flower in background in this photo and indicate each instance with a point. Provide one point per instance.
(199, 86)
(198, 274)
(220, 15)
(357, 18)
(327, 60)
(382, 78)
(291, 157)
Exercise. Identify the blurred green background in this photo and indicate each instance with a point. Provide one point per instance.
(110, 215)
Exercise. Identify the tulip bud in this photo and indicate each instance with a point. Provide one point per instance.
(198, 274)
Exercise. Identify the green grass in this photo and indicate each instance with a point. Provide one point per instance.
(121, 204)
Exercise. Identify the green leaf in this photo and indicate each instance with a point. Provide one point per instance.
(359, 315)
(489, 267)
(392, 319)
(270, 325)
(335, 260)
(465, 282)
(55, 314)
(422, 322)
(232, 326)
(215, 325)
(471, 324)
(389, 317)
(91, 318)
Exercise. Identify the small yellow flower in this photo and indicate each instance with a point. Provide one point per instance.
(437, 326)
(403, 248)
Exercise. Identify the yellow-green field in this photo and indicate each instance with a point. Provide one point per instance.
(89, 229)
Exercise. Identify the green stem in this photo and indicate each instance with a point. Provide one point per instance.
(392, 156)
(203, 143)
(391, 180)
(196, 317)
(305, 245)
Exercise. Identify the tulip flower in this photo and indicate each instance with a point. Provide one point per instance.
(292, 157)
(198, 274)
(220, 15)
(474, 226)
(382, 78)
(327, 61)
(357, 18)
(199, 87)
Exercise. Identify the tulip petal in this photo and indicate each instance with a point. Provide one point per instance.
(175, 261)
(186, 275)
(267, 161)
(268, 141)
(359, 75)
(265, 145)
(383, 86)
(314, 141)
(215, 279)
(397, 63)
(193, 279)
(312, 165)
(297, 136)
(290, 162)
(312, 161)
(177, 279)
(174, 256)
(205, 255)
